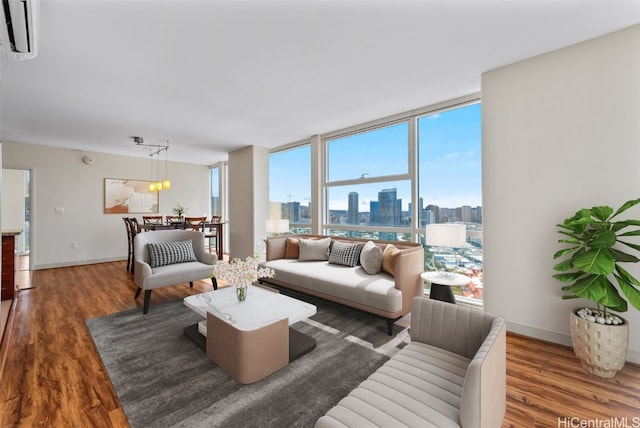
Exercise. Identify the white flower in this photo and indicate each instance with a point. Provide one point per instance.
(239, 272)
(180, 209)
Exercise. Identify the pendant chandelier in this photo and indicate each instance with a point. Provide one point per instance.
(157, 184)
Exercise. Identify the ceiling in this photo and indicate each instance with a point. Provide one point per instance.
(214, 76)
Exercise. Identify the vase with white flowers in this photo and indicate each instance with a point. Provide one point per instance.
(240, 273)
(180, 209)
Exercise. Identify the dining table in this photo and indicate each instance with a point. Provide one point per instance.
(219, 228)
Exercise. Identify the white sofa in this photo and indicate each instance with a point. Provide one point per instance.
(451, 374)
(385, 295)
(186, 264)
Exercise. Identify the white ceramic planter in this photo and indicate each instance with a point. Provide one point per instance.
(601, 348)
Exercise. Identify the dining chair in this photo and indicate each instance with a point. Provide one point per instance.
(210, 232)
(133, 228)
(173, 218)
(156, 219)
(194, 223)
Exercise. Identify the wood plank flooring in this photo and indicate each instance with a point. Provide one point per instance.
(52, 376)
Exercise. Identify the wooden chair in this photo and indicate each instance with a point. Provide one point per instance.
(210, 232)
(133, 228)
(194, 223)
(173, 218)
(157, 219)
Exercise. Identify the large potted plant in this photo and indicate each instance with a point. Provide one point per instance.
(598, 245)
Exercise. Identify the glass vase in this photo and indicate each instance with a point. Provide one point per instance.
(241, 292)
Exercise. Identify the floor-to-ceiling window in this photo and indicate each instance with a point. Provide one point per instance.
(290, 187)
(388, 179)
(216, 208)
(450, 188)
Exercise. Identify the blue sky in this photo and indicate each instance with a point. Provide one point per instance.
(449, 162)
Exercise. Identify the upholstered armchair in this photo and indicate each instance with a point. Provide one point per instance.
(452, 373)
(170, 257)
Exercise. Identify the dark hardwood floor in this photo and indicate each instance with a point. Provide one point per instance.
(52, 376)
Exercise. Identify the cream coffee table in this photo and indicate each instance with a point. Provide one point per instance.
(251, 339)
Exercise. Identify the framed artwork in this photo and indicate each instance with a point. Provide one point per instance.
(129, 196)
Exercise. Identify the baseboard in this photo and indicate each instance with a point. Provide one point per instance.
(562, 339)
(76, 263)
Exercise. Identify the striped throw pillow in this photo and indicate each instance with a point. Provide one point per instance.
(168, 253)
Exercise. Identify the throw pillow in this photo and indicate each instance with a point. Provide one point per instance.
(168, 253)
(292, 250)
(311, 249)
(371, 258)
(389, 256)
(343, 253)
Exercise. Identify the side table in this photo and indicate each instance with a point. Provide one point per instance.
(441, 283)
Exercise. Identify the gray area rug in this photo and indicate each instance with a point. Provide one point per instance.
(164, 380)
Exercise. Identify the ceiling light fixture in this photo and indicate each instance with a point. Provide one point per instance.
(157, 185)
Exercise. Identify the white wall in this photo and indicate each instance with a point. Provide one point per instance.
(60, 179)
(561, 131)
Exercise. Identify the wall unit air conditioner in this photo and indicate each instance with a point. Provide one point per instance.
(19, 28)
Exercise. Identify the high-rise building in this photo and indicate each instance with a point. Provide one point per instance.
(387, 209)
(436, 212)
(465, 214)
(293, 212)
(353, 216)
(374, 213)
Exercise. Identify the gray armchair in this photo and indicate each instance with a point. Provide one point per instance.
(170, 257)
(451, 374)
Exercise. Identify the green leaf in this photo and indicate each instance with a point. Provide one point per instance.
(597, 261)
(623, 257)
(632, 294)
(561, 253)
(626, 206)
(631, 233)
(603, 240)
(564, 265)
(626, 223)
(569, 241)
(627, 276)
(599, 289)
(602, 213)
(568, 277)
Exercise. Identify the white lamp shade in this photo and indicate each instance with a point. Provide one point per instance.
(276, 225)
(446, 235)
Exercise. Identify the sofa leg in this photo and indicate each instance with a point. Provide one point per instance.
(137, 293)
(147, 299)
(214, 282)
(390, 327)
(190, 284)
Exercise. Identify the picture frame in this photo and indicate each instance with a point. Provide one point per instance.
(127, 196)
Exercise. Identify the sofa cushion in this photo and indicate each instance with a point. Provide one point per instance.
(389, 256)
(311, 249)
(371, 258)
(292, 250)
(345, 254)
(168, 253)
(349, 283)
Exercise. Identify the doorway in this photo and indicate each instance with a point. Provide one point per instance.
(16, 214)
